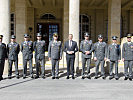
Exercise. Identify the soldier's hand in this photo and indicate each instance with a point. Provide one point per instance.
(87, 52)
(105, 59)
(49, 58)
(119, 60)
(95, 58)
(6, 58)
(123, 59)
(60, 58)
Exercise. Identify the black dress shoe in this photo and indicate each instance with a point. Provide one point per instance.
(32, 76)
(73, 77)
(110, 78)
(43, 77)
(36, 77)
(88, 77)
(53, 77)
(24, 77)
(130, 79)
(17, 77)
(9, 77)
(1, 78)
(117, 78)
(57, 77)
(67, 77)
(83, 77)
(96, 77)
(104, 77)
(125, 78)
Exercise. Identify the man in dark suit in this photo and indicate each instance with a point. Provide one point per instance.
(13, 49)
(27, 51)
(3, 56)
(127, 57)
(70, 47)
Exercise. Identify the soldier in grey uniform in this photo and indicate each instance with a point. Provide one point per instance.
(3, 56)
(86, 47)
(114, 56)
(13, 49)
(100, 55)
(27, 51)
(127, 57)
(39, 47)
(55, 55)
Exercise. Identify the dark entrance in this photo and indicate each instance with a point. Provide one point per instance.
(47, 30)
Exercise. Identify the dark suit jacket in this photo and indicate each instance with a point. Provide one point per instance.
(74, 48)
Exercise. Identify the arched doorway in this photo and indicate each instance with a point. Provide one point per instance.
(47, 29)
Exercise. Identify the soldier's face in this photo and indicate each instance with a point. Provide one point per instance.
(70, 37)
(12, 40)
(0, 40)
(114, 41)
(26, 39)
(55, 37)
(129, 39)
(39, 38)
(100, 39)
(86, 37)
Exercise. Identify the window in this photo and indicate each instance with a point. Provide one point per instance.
(12, 25)
(84, 25)
(48, 16)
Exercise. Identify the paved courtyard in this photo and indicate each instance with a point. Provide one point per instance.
(63, 89)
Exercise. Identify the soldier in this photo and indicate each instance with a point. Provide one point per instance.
(55, 55)
(114, 56)
(70, 47)
(127, 57)
(86, 48)
(39, 47)
(100, 55)
(13, 49)
(3, 56)
(27, 51)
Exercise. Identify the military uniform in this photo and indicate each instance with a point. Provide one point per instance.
(55, 53)
(27, 51)
(3, 56)
(100, 52)
(127, 54)
(13, 49)
(39, 47)
(114, 54)
(86, 45)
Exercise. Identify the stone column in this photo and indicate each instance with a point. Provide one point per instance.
(114, 17)
(5, 24)
(5, 20)
(74, 9)
(66, 20)
(21, 19)
(131, 21)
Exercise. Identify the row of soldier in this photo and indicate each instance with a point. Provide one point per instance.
(102, 52)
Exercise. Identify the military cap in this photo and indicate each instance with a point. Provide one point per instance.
(26, 36)
(100, 36)
(129, 35)
(39, 34)
(114, 37)
(1, 36)
(55, 34)
(13, 37)
(86, 34)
